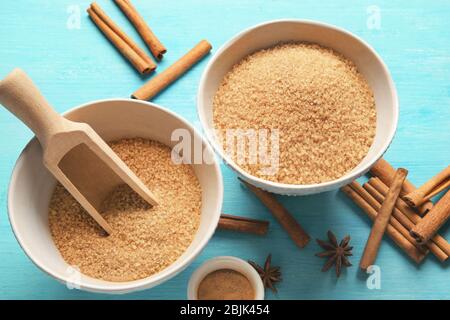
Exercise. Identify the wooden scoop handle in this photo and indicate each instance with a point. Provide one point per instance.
(20, 96)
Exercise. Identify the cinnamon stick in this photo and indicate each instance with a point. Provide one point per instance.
(421, 194)
(431, 223)
(409, 248)
(382, 220)
(150, 39)
(241, 224)
(371, 200)
(411, 214)
(444, 185)
(287, 221)
(396, 221)
(120, 40)
(162, 80)
(383, 170)
(406, 222)
(115, 28)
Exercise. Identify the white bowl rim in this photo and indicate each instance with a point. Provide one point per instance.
(296, 187)
(110, 286)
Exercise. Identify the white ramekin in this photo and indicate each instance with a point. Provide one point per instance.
(271, 33)
(225, 262)
(31, 187)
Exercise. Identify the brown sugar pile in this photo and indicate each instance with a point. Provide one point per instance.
(320, 104)
(145, 240)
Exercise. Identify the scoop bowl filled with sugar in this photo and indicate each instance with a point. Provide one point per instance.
(148, 245)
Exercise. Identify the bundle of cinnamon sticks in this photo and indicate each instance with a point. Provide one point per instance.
(405, 213)
(136, 56)
(126, 46)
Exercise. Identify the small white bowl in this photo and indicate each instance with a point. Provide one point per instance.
(31, 187)
(225, 262)
(268, 34)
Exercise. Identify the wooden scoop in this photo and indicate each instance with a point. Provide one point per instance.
(72, 151)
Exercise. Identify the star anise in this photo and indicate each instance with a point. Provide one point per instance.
(336, 253)
(269, 275)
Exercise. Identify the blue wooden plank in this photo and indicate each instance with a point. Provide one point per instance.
(73, 66)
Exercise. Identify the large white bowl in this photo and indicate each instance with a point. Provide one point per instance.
(268, 34)
(31, 187)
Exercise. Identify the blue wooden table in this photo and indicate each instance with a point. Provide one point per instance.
(73, 63)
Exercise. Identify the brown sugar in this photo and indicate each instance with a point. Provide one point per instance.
(322, 107)
(145, 240)
(225, 284)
